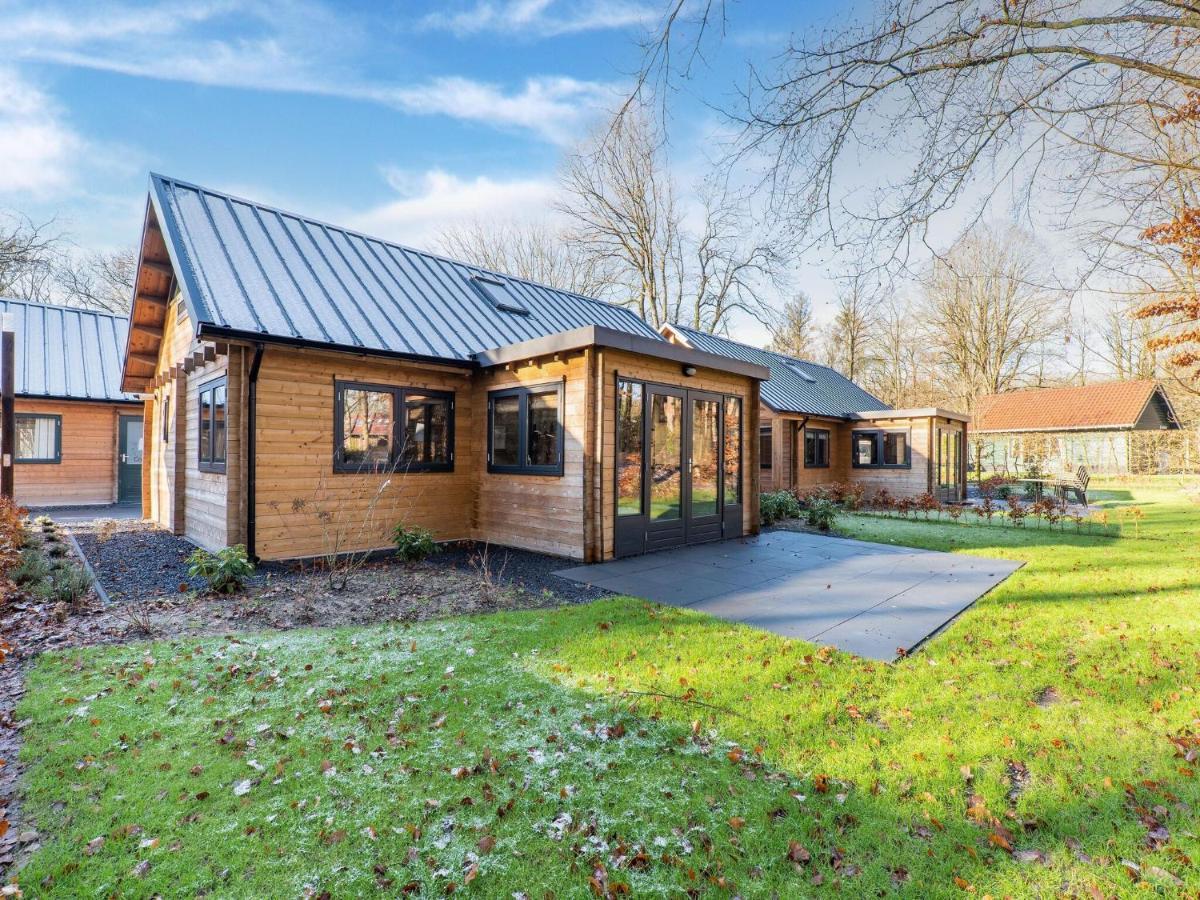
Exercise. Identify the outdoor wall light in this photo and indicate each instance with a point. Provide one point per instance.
(689, 371)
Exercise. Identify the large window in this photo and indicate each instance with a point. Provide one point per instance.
(631, 416)
(816, 448)
(764, 447)
(39, 438)
(881, 449)
(380, 428)
(525, 432)
(212, 426)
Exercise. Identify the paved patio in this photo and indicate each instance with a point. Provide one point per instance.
(864, 598)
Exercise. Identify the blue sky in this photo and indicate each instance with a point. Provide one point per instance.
(397, 118)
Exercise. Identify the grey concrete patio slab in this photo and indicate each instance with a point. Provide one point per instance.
(874, 600)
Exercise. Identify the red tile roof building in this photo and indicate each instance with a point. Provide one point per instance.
(1090, 407)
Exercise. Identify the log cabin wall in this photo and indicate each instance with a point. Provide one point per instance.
(87, 471)
(544, 513)
(166, 453)
(303, 508)
(911, 481)
(644, 368)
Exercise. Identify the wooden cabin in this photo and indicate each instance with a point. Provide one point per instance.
(818, 428)
(78, 435)
(309, 388)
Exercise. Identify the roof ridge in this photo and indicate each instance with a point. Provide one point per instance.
(167, 179)
(65, 308)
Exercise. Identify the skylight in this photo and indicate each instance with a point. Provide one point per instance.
(799, 371)
(499, 294)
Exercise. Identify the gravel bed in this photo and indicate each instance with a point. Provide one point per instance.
(135, 560)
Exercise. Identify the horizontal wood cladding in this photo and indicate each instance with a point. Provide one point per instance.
(787, 440)
(304, 508)
(650, 369)
(900, 482)
(87, 473)
(535, 512)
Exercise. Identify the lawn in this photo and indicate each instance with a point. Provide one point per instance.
(1039, 745)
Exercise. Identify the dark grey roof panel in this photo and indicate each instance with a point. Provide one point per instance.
(67, 353)
(249, 268)
(826, 392)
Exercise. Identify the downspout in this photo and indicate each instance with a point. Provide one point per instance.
(251, 450)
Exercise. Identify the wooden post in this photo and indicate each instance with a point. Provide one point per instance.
(8, 405)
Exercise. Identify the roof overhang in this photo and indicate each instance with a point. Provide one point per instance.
(922, 412)
(209, 332)
(599, 336)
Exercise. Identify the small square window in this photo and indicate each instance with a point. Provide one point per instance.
(38, 438)
(881, 449)
(525, 430)
(380, 427)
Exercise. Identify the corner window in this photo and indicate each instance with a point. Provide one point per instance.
(881, 449)
(525, 432)
(764, 447)
(816, 448)
(212, 426)
(381, 428)
(38, 438)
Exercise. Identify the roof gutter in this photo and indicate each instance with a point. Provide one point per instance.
(252, 450)
(208, 331)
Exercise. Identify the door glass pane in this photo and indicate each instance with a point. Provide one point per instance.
(543, 429)
(706, 457)
(366, 427)
(133, 441)
(630, 415)
(666, 442)
(733, 450)
(506, 431)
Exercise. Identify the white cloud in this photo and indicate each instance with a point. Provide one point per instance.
(556, 109)
(303, 48)
(540, 18)
(432, 201)
(38, 150)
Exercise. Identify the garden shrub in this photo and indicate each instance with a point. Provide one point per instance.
(225, 571)
(32, 568)
(67, 585)
(778, 505)
(413, 544)
(822, 514)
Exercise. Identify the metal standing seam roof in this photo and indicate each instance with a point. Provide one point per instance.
(825, 392)
(67, 353)
(247, 268)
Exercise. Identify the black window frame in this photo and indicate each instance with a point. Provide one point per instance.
(166, 417)
(817, 433)
(209, 463)
(399, 395)
(877, 434)
(524, 392)
(39, 461)
(766, 460)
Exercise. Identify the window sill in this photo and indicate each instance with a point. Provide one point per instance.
(551, 472)
(211, 468)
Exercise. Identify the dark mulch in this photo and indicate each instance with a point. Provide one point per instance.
(137, 561)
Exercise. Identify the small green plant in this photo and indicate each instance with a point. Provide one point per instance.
(45, 523)
(413, 544)
(67, 585)
(822, 514)
(778, 505)
(32, 568)
(225, 571)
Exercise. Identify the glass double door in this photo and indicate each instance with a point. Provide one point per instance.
(949, 465)
(687, 489)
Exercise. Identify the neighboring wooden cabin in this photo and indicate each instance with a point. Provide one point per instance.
(310, 388)
(818, 428)
(79, 436)
(1113, 428)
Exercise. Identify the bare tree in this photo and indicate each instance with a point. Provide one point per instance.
(29, 255)
(532, 250)
(850, 341)
(620, 200)
(99, 280)
(987, 313)
(794, 332)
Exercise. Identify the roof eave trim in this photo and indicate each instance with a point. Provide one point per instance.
(59, 398)
(1093, 427)
(916, 412)
(600, 336)
(208, 331)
